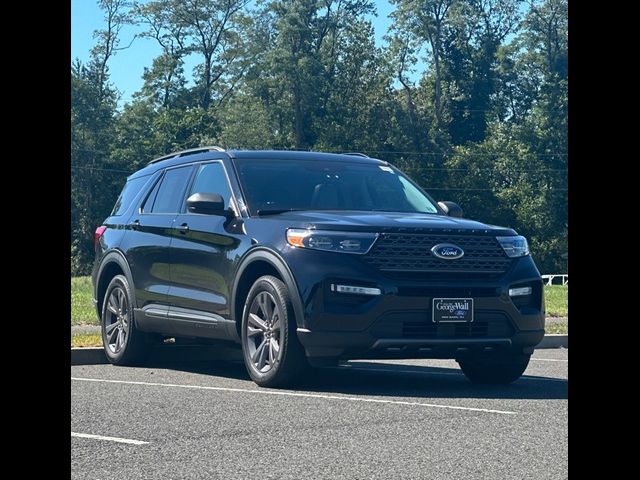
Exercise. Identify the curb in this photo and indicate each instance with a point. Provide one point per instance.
(162, 354)
(88, 356)
(554, 341)
(96, 356)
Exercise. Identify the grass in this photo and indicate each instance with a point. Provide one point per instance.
(556, 300)
(86, 340)
(559, 328)
(82, 311)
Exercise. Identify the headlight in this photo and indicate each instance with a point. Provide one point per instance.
(515, 246)
(343, 242)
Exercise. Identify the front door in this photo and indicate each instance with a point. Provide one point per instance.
(203, 250)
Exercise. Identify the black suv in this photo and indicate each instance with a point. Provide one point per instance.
(309, 258)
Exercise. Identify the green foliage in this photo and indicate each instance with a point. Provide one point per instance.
(92, 109)
(82, 309)
(557, 300)
(485, 124)
(556, 328)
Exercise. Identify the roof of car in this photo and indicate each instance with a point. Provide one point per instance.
(300, 155)
(176, 159)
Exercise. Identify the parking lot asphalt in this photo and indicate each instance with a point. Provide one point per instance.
(403, 419)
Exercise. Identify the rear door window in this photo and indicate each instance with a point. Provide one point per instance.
(171, 190)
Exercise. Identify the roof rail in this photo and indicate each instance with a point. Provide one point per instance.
(190, 151)
(357, 154)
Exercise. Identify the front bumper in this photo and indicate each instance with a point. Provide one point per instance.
(351, 345)
(398, 323)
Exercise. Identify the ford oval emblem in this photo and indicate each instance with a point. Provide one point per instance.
(447, 251)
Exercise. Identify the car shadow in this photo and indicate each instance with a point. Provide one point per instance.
(370, 378)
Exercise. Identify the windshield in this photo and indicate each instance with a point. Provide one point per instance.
(273, 185)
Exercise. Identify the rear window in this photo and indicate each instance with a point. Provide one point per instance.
(129, 193)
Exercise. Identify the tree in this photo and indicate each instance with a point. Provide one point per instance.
(473, 37)
(93, 106)
(425, 21)
(307, 45)
(165, 80)
(116, 15)
(212, 29)
(519, 167)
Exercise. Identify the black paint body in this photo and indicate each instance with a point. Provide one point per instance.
(190, 274)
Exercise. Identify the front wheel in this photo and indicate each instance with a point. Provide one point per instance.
(497, 369)
(272, 352)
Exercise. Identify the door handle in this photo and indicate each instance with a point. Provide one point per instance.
(135, 225)
(184, 228)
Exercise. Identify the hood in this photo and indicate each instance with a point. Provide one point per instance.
(386, 222)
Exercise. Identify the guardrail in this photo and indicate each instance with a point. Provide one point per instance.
(548, 279)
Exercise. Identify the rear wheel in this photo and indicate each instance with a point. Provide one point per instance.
(494, 368)
(272, 352)
(123, 343)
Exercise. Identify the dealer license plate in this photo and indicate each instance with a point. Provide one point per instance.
(452, 310)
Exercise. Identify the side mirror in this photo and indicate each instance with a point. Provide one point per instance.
(206, 203)
(451, 208)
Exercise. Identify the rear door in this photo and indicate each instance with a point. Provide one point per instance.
(203, 251)
(149, 239)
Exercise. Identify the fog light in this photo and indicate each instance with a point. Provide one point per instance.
(517, 292)
(355, 290)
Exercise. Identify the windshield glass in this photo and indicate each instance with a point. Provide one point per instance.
(272, 185)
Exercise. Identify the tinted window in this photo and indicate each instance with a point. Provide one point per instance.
(328, 185)
(212, 179)
(148, 203)
(171, 191)
(129, 192)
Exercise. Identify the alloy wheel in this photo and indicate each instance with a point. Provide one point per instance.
(116, 322)
(264, 332)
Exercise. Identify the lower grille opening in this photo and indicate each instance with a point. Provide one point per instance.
(454, 330)
(407, 325)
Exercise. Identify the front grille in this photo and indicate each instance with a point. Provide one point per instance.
(406, 325)
(403, 255)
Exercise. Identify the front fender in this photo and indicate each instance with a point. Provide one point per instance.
(277, 262)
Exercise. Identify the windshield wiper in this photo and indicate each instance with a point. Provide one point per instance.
(276, 211)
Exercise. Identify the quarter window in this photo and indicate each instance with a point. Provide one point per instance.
(131, 189)
(148, 203)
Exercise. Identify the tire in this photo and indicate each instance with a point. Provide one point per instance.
(496, 369)
(123, 343)
(271, 350)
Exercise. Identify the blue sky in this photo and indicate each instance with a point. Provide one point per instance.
(127, 66)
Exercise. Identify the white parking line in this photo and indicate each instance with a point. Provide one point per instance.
(550, 360)
(296, 394)
(109, 439)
